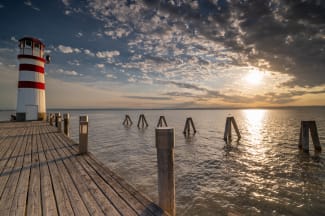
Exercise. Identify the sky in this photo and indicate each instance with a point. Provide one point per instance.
(170, 54)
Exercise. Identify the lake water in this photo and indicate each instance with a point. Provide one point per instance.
(262, 174)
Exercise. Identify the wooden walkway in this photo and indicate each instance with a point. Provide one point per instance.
(42, 174)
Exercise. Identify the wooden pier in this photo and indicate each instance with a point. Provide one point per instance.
(41, 173)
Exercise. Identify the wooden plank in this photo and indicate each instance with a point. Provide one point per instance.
(110, 193)
(133, 197)
(78, 177)
(18, 206)
(61, 194)
(47, 193)
(76, 201)
(14, 166)
(154, 208)
(34, 206)
(89, 180)
(9, 159)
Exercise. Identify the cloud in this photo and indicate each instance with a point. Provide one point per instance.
(30, 4)
(74, 62)
(1, 6)
(100, 65)
(79, 34)
(107, 54)
(68, 72)
(88, 52)
(66, 2)
(110, 76)
(13, 38)
(68, 49)
(148, 98)
(118, 33)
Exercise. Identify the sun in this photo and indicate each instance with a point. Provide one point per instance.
(254, 77)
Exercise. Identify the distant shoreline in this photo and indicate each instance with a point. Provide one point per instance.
(215, 108)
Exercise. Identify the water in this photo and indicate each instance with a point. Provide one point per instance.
(262, 174)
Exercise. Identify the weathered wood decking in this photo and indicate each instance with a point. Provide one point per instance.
(42, 174)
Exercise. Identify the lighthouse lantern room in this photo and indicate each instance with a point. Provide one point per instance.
(31, 84)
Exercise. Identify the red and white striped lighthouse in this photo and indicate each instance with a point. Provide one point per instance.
(31, 85)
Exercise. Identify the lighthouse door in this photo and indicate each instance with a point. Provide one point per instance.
(31, 112)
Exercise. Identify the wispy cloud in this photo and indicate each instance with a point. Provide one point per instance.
(30, 4)
(68, 49)
(107, 54)
(68, 72)
(148, 98)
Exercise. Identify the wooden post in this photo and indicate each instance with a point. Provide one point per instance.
(304, 136)
(83, 134)
(234, 123)
(56, 119)
(51, 119)
(66, 123)
(228, 134)
(165, 141)
(59, 123)
(127, 121)
(187, 128)
(143, 121)
(162, 121)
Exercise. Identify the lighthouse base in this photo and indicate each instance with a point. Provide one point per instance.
(22, 117)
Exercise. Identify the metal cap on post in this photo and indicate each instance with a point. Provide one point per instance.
(165, 141)
(66, 123)
(83, 134)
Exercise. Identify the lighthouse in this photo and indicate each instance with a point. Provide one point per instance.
(31, 84)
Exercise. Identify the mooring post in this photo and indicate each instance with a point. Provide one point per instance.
(51, 119)
(162, 121)
(83, 134)
(304, 136)
(143, 121)
(165, 141)
(66, 123)
(227, 134)
(187, 128)
(56, 118)
(59, 123)
(230, 121)
(127, 121)
(234, 123)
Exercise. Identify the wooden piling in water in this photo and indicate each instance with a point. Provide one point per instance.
(83, 134)
(187, 128)
(161, 122)
(142, 120)
(127, 121)
(305, 127)
(228, 135)
(165, 141)
(66, 124)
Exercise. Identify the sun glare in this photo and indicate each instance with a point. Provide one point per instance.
(254, 77)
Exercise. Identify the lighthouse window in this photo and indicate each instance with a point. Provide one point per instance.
(36, 45)
(28, 43)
